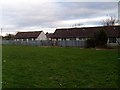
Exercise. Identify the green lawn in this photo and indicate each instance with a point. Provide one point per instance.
(55, 67)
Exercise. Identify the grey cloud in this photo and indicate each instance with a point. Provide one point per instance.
(49, 14)
(82, 9)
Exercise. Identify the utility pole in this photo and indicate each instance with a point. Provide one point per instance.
(119, 12)
(1, 31)
(1, 39)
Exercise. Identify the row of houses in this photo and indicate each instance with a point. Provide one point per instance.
(67, 34)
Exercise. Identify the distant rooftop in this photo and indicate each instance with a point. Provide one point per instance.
(25, 35)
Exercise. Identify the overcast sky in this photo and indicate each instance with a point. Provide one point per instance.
(34, 15)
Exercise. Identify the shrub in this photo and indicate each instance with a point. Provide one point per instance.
(100, 38)
(91, 43)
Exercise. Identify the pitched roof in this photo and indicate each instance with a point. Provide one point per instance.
(25, 35)
(112, 31)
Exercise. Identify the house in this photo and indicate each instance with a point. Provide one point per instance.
(25, 36)
(113, 33)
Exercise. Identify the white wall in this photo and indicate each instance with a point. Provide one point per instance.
(67, 39)
(59, 39)
(113, 44)
(77, 39)
(54, 40)
(42, 36)
(118, 40)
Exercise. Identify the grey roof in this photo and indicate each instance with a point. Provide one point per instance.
(112, 31)
(25, 35)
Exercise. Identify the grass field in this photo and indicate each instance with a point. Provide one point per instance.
(53, 67)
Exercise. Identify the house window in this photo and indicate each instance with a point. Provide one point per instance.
(64, 39)
(80, 38)
(24, 39)
(112, 40)
(72, 38)
(30, 39)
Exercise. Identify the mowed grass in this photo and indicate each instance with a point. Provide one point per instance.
(55, 67)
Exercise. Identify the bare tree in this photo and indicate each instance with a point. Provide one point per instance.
(76, 25)
(110, 21)
(9, 37)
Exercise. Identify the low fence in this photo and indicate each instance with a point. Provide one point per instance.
(71, 43)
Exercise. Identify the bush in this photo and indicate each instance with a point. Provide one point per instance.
(90, 43)
(100, 38)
